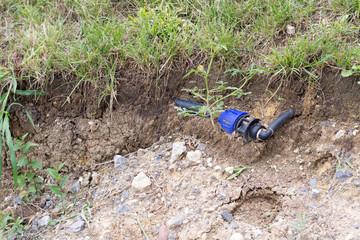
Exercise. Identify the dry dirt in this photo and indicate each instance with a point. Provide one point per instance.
(292, 174)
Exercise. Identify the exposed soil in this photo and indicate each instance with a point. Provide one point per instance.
(264, 202)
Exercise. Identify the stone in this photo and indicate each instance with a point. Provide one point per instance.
(341, 133)
(343, 175)
(194, 157)
(77, 226)
(290, 29)
(120, 163)
(234, 225)
(123, 209)
(226, 215)
(175, 221)
(124, 195)
(18, 200)
(201, 147)
(221, 197)
(42, 222)
(95, 178)
(178, 148)
(85, 180)
(315, 192)
(357, 183)
(141, 181)
(236, 236)
(75, 188)
(312, 182)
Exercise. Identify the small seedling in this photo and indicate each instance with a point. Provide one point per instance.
(9, 227)
(236, 172)
(57, 189)
(341, 164)
(27, 178)
(213, 98)
(300, 225)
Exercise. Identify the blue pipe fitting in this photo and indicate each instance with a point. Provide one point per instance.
(228, 119)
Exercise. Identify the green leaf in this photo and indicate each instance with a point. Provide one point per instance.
(60, 166)
(32, 189)
(17, 146)
(55, 189)
(21, 182)
(29, 92)
(23, 161)
(38, 180)
(29, 145)
(36, 164)
(10, 145)
(63, 180)
(346, 73)
(30, 176)
(53, 173)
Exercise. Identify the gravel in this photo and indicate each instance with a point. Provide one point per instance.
(226, 215)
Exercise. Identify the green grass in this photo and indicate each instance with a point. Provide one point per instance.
(89, 40)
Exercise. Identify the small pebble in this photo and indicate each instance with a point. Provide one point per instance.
(226, 215)
(175, 221)
(312, 182)
(234, 225)
(75, 188)
(77, 226)
(224, 185)
(221, 197)
(123, 209)
(201, 147)
(315, 192)
(42, 222)
(357, 183)
(343, 175)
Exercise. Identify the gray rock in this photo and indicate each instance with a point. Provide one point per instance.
(34, 228)
(156, 230)
(175, 221)
(177, 149)
(312, 182)
(18, 200)
(169, 145)
(123, 209)
(315, 192)
(224, 185)
(172, 236)
(77, 226)
(221, 197)
(120, 163)
(357, 183)
(141, 181)
(124, 195)
(48, 204)
(159, 157)
(234, 225)
(75, 188)
(343, 175)
(303, 191)
(42, 222)
(201, 147)
(226, 215)
(195, 191)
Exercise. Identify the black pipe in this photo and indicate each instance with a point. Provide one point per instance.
(189, 105)
(261, 134)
